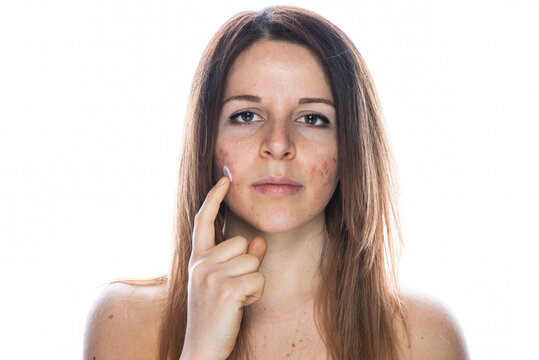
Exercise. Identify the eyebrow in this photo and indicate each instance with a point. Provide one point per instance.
(254, 98)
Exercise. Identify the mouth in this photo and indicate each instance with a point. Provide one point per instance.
(274, 180)
(277, 186)
(277, 190)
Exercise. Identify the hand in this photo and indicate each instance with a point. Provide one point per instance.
(222, 280)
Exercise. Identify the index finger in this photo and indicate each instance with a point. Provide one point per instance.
(203, 231)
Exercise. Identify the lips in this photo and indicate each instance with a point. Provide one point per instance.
(277, 181)
(277, 186)
(277, 190)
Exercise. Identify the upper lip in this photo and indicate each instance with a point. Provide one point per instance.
(278, 181)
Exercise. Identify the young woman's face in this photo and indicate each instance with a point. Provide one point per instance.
(278, 120)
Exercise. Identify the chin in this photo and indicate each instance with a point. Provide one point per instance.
(275, 227)
(266, 224)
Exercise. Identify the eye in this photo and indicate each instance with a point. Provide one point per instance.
(244, 116)
(312, 119)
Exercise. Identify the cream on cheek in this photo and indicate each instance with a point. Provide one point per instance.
(229, 155)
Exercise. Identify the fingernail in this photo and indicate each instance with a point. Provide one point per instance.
(227, 173)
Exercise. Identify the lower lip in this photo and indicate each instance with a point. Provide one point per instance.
(278, 190)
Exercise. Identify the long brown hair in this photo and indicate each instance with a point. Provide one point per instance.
(358, 301)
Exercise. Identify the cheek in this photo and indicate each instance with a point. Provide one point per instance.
(324, 171)
(222, 157)
(323, 177)
(230, 156)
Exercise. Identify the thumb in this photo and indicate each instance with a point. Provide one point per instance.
(257, 247)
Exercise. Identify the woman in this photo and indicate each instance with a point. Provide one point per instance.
(293, 253)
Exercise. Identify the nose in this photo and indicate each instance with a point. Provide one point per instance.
(277, 142)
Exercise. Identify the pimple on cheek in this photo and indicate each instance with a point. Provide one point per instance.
(222, 155)
(322, 171)
(224, 159)
(223, 152)
(325, 166)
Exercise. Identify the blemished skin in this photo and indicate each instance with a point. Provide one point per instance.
(276, 138)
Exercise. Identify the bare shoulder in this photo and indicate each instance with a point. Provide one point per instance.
(123, 322)
(433, 330)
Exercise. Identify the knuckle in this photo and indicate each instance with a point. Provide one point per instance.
(196, 270)
(242, 242)
(228, 289)
(254, 260)
(200, 270)
(221, 288)
(206, 279)
(214, 280)
(260, 278)
(199, 217)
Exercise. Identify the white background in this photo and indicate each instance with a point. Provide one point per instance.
(92, 99)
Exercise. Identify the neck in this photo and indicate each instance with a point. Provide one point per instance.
(290, 264)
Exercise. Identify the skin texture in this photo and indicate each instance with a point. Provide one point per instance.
(124, 323)
(277, 139)
(277, 142)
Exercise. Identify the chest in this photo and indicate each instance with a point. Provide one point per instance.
(287, 340)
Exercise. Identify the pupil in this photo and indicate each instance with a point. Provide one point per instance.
(310, 118)
(247, 116)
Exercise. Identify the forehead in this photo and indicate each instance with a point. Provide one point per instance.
(277, 66)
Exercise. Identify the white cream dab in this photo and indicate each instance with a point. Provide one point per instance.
(227, 173)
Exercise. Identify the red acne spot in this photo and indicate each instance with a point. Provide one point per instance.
(293, 345)
(313, 169)
(325, 166)
(111, 316)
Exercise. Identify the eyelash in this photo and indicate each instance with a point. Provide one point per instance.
(324, 119)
